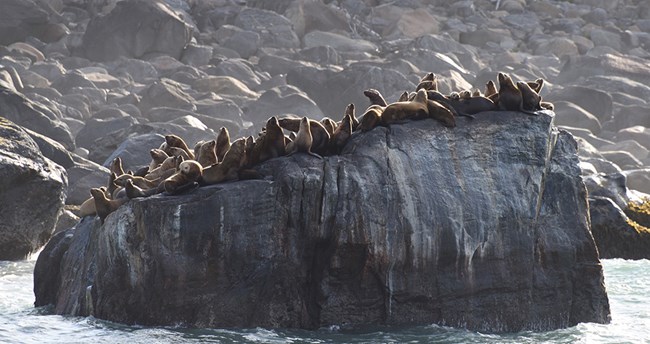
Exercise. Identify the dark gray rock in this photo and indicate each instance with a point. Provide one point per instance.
(496, 228)
(572, 115)
(82, 176)
(134, 151)
(96, 128)
(20, 110)
(136, 29)
(614, 233)
(595, 101)
(51, 149)
(32, 192)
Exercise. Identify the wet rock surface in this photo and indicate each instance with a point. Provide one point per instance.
(495, 238)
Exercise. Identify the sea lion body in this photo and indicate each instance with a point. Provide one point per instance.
(223, 143)
(530, 98)
(270, 144)
(441, 113)
(329, 125)
(304, 139)
(207, 153)
(375, 97)
(232, 162)
(188, 173)
(341, 135)
(116, 166)
(320, 136)
(510, 96)
(177, 141)
(399, 111)
(103, 205)
(370, 119)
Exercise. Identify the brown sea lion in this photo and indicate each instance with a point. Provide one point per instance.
(320, 136)
(428, 82)
(223, 143)
(490, 89)
(270, 144)
(463, 107)
(530, 98)
(341, 135)
(207, 153)
(103, 205)
(138, 181)
(133, 191)
(477, 93)
(88, 206)
(329, 125)
(116, 166)
(510, 97)
(176, 151)
(170, 164)
(350, 111)
(157, 157)
(441, 113)
(406, 96)
(176, 141)
(370, 119)
(464, 94)
(111, 186)
(304, 140)
(375, 97)
(232, 162)
(187, 175)
(399, 111)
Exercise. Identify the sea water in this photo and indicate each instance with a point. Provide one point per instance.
(628, 287)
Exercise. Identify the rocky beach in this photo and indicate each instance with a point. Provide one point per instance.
(84, 82)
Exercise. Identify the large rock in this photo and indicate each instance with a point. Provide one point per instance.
(495, 237)
(615, 233)
(17, 108)
(32, 192)
(20, 19)
(136, 29)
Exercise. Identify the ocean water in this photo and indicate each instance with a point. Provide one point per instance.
(628, 286)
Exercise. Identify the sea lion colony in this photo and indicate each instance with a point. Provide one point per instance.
(175, 168)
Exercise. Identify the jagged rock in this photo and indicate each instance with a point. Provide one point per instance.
(136, 29)
(32, 192)
(483, 226)
(20, 110)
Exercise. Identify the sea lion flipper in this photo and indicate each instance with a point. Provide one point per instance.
(314, 154)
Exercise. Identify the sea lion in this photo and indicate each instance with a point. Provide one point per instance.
(510, 97)
(157, 157)
(270, 144)
(477, 93)
(490, 89)
(223, 143)
(320, 136)
(176, 141)
(133, 191)
(375, 97)
(186, 177)
(103, 205)
(463, 107)
(197, 149)
(207, 153)
(111, 186)
(399, 111)
(341, 135)
(428, 82)
(170, 163)
(88, 206)
(232, 162)
(116, 166)
(464, 94)
(405, 96)
(139, 181)
(441, 113)
(176, 151)
(370, 119)
(304, 140)
(530, 99)
(350, 111)
(329, 125)
(536, 85)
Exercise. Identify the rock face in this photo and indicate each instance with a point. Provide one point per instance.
(32, 192)
(135, 28)
(483, 226)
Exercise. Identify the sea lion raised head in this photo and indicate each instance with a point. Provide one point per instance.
(188, 174)
(176, 141)
(207, 153)
(375, 97)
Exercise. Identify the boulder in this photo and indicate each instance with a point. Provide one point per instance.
(134, 151)
(497, 243)
(17, 108)
(32, 193)
(280, 101)
(275, 30)
(572, 115)
(337, 41)
(638, 133)
(83, 176)
(96, 128)
(639, 180)
(20, 19)
(165, 92)
(616, 235)
(136, 29)
(594, 101)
